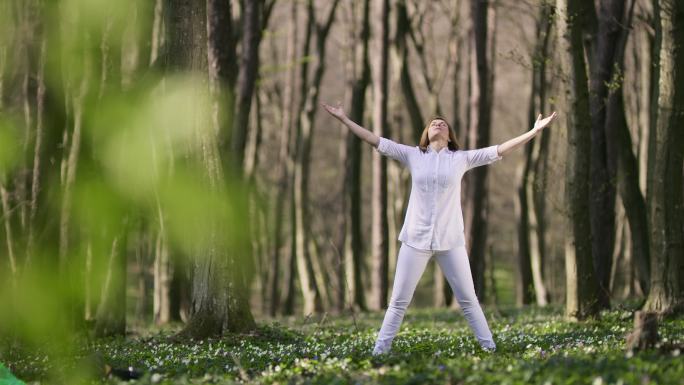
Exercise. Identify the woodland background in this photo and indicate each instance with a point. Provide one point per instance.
(168, 162)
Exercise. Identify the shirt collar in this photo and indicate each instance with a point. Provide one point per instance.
(446, 148)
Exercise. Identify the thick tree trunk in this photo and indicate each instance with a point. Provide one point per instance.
(219, 294)
(628, 169)
(581, 283)
(608, 50)
(665, 193)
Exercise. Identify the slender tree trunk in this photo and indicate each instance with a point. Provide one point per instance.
(379, 229)
(71, 162)
(248, 73)
(163, 273)
(305, 264)
(37, 150)
(110, 319)
(480, 127)
(285, 165)
(403, 29)
(353, 257)
(459, 51)
(9, 238)
(144, 247)
(530, 235)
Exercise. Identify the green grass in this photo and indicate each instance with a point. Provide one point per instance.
(434, 346)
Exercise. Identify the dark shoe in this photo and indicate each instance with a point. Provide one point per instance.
(378, 360)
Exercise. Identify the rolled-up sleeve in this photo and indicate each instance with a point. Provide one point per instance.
(394, 150)
(482, 156)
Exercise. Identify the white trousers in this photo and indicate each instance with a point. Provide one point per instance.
(411, 264)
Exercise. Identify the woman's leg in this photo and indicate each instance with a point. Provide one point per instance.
(411, 263)
(455, 266)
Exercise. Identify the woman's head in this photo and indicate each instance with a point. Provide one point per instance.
(438, 129)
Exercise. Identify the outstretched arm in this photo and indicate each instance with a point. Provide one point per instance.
(362, 133)
(518, 141)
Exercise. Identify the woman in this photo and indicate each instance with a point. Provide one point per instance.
(434, 223)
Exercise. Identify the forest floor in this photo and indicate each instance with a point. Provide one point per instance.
(434, 346)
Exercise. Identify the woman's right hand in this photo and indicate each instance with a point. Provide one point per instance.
(359, 131)
(337, 112)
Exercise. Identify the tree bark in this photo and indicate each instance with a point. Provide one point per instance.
(581, 282)
(248, 73)
(608, 50)
(628, 168)
(110, 319)
(285, 165)
(353, 257)
(379, 226)
(665, 193)
(219, 294)
(403, 29)
(530, 232)
(163, 272)
(480, 128)
(305, 123)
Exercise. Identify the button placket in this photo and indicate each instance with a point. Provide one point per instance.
(435, 193)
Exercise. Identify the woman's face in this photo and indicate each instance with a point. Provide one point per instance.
(437, 130)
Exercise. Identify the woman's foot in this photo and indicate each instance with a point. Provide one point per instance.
(378, 351)
(380, 348)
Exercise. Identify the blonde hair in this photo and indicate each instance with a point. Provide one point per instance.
(425, 140)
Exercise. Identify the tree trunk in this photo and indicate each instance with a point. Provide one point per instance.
(353, 257)
(70, 161)
(219, 297)
(581, 283)
(665, 176)
(379, 226)
(285, 165)
(248, 73)
(37, 152)
(163, 272)
(611, 17)
(480, 129)
(403, 29)
(305, 123)
(628, 169)
(110, 319)
(530, 233)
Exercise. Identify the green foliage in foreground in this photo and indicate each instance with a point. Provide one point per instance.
(434, 346)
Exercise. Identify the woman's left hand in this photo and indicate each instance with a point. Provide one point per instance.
(541, 123)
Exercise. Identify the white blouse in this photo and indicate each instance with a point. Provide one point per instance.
(434, 220)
